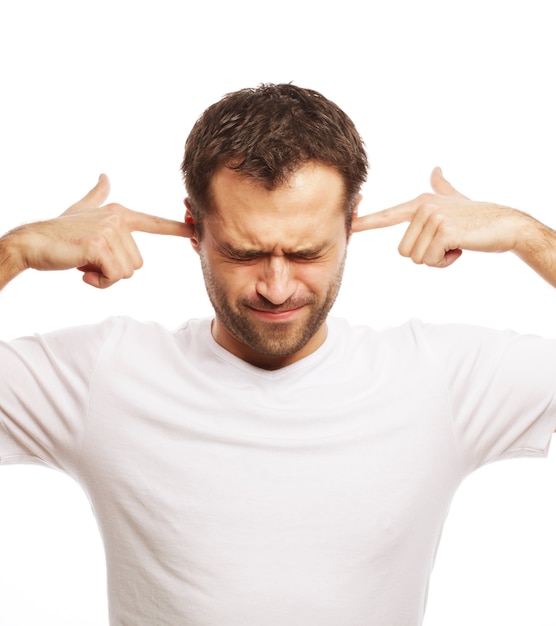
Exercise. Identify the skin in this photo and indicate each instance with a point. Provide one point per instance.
(91, 236)
(444, 223)
(273, 260)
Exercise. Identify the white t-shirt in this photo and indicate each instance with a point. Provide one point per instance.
(311, 495)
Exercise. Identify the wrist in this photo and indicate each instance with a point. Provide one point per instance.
(536, 246)
(531, 236)
(12, 259)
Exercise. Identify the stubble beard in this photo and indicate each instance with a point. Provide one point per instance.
(274, 339)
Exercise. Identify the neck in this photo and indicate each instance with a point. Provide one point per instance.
(270, 362)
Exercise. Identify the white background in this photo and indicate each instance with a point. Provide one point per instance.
(115, 86)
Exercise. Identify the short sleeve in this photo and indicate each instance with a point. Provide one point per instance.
(502, 390)
(44, 390)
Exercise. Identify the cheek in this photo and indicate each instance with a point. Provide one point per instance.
(317, 278)
(238, 279)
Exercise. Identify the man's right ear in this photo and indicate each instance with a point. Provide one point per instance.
(189, 219)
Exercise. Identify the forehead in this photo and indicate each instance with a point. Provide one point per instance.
(308, 209)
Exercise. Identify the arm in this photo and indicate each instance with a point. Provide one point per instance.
(91, 236)
(444, 223)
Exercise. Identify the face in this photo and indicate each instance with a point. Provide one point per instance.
(273, 262)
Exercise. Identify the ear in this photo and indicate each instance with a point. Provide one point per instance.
(189, 219)
(355, 211)
(356, 204)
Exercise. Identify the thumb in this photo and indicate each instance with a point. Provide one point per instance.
(441, 186)
(97, 196)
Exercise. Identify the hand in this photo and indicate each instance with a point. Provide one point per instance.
(444, 223)
(93, 237)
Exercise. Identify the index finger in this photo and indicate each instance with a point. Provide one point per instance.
(145, 223)
(387, 217)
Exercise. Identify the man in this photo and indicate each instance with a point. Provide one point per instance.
(273, 465)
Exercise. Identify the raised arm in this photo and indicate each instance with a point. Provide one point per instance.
(444, 223)
(91, 236)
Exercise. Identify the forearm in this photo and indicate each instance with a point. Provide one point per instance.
(536, 246)
(11, 263)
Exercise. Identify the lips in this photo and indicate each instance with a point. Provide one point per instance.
(276, 314)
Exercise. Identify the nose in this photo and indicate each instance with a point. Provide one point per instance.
(276, 282)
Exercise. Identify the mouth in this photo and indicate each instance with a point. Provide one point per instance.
(278, 315)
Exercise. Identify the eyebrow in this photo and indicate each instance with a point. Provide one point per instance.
(253, 253)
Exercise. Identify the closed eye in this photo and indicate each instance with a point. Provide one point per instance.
(242, 256)
(245, 256)
(305, 256)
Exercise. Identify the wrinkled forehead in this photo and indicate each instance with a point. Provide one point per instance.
(312, 189)
(306, 209)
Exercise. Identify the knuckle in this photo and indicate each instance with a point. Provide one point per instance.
(427, 204)
(425, 198)
(403, 250)
(114, 216)
(128, 272)
(113, 220)
(114, 207)
(438, 220)
(430, 260)
(115, 276)
(97, 243)
(104, 282)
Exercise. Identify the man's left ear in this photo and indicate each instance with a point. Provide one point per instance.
(189, 219)
(355, 211)
(356, 206)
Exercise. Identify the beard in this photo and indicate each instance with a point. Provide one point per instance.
(272, 339)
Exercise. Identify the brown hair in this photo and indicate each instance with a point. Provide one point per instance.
(267, 133)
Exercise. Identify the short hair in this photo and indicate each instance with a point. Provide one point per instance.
(267, 133)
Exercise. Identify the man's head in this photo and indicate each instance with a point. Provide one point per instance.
(273, 176)
(266, 134)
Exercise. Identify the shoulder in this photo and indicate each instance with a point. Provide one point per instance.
(112, 336)
(443, 344)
